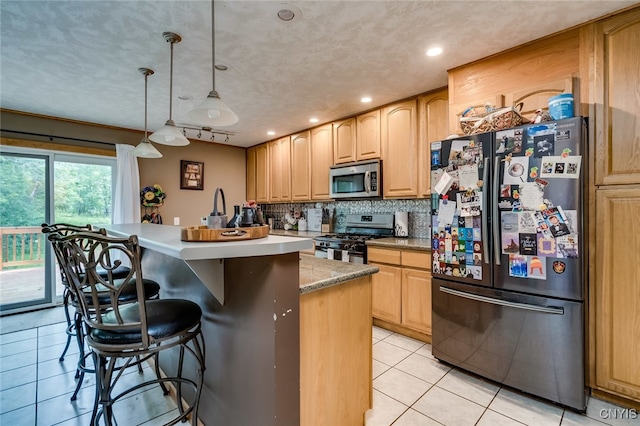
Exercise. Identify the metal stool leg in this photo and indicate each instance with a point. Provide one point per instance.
(70, 325)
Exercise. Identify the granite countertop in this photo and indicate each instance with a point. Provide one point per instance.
(302, 234)
(317, 273)
(418, 244)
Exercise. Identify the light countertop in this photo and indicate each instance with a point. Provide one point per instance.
(165, 239)
(303, 234)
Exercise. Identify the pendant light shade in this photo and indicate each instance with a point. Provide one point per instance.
(213, 111)
(145, 149)
(169, 133)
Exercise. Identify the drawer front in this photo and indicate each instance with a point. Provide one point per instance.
(416, 259)
(375, 254)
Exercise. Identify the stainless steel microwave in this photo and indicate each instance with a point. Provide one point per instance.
(362, 179)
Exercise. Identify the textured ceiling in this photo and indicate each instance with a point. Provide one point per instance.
(79, 59)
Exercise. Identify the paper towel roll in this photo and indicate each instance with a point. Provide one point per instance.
(402, 224)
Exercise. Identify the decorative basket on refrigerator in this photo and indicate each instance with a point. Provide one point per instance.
(503, 118)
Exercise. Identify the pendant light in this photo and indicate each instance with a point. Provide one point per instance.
(213, 111)
(145, 149)
(170, 134)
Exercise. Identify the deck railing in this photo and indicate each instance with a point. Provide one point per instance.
(21, 246)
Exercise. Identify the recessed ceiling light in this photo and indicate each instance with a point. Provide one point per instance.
(434, 51)
(313, 120)
(271, 133)
(184, 97)
(286, 14)
(365, 100)
(221, 67)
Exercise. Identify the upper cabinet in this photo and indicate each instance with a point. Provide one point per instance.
(300, 167)
(344, 141)
(251, 174)
(322, 155)
(616, 99)
(357, 138)
(262, 173)
(400, 150)
(433, 121)
(280, 170)
(368, 135)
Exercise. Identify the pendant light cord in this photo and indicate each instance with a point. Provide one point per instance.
(171, 83)
(213, 47)
(146, 75)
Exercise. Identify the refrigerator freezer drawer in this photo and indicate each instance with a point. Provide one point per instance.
(530, 343)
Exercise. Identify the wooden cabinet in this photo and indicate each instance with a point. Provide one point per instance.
(344, 141)
(262, 173)
(400, 150)
(322, 159)
(433, 121)
(617, 107)
(368, 135)
(280, 170)
(416, 299)
(401, 291)
(617, 292)
(386, 290)
(251, 174)
(357, 138)
(300, 167)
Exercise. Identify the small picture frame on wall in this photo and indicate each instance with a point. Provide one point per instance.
(191, 175)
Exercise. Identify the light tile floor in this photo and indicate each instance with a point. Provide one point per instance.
(410, 388)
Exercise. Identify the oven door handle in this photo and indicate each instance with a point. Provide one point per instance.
(367, 181)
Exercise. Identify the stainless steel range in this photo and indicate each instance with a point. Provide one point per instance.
(350, 246)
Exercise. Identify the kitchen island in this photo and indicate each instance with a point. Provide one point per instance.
(277, 349)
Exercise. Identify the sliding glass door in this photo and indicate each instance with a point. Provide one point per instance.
(24, 205)
(45, 187)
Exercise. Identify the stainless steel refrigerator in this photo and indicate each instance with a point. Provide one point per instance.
(508, 257)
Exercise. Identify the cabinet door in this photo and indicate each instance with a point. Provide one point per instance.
(416, 299)
(344, 141)
(400, 150)
(368, 135)
(300, 170)
(280, 170)
(262, 173)
(616, 99)
(275, 174)
(322, 159)
(251, 173)
(617, 291)
(433, 117)
(386, 293)
(285, 169)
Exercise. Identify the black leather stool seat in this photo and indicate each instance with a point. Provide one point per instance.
(165, 318)
(120, 271)
(128, 294)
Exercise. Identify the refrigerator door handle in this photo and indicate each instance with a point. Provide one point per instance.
(525, 306)
(485, 219)
(496, 213)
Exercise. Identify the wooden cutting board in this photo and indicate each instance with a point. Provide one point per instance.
(204, 234)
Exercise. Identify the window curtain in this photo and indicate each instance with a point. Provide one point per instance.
(126, 206)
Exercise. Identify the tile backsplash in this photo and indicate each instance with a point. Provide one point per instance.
(418, 212)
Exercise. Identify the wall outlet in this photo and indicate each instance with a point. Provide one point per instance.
(176, 220)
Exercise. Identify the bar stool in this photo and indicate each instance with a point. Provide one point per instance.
(74, 327)
(129, 333)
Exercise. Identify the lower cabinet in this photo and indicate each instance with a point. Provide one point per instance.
(401, 291)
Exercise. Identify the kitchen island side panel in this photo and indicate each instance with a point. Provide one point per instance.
(252, 341)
